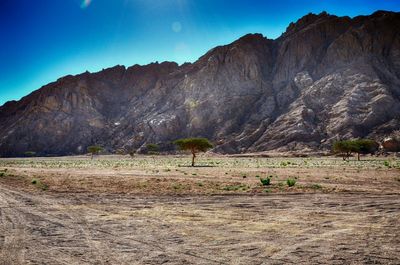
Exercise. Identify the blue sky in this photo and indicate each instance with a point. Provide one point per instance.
(42, 40)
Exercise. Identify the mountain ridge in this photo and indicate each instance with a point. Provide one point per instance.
(325, 78)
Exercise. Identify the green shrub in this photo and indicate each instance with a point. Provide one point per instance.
(290, 182)
(265, 181)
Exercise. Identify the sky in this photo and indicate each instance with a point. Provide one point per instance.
(42, 40)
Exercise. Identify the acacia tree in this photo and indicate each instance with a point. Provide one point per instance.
(366, 146)
(345, 147)
(94, 150)
(194, 145)
(359, 146)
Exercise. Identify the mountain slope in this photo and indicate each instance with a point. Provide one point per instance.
(325, 78)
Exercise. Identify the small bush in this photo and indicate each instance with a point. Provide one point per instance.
(177, 186)
(265, 181)
(291, 182)
(316, 186)
(39, 184)
(386, 163)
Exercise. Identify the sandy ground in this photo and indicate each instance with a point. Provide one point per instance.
(153, 214)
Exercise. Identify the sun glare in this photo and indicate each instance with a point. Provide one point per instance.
(85, 3)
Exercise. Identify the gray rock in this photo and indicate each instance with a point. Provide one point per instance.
(325, 78)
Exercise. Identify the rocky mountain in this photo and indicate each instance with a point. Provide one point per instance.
(325, 78)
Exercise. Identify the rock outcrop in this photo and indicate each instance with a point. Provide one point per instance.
(325, 78)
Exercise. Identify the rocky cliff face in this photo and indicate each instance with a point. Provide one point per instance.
(325, 78)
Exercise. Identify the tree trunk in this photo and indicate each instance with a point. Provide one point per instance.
(91, 156)
(193, 157)
(358, 156)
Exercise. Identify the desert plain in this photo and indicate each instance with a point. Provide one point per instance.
(159, 210)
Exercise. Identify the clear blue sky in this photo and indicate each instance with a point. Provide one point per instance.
(42, 40)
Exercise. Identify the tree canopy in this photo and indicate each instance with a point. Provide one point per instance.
(359, 146)
(94, 149)
(194, 145)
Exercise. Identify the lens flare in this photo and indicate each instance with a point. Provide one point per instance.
(176, 26)
(85, 3)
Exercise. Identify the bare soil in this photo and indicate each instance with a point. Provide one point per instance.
(158, 211)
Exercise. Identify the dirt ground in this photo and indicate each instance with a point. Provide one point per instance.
(156, 210)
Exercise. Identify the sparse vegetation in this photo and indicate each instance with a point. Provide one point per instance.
(316, 186)
(194, 145)
(153, 175)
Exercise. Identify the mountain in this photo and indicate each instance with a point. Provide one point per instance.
(325, 78)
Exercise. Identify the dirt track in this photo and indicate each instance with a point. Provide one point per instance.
(348, 228)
